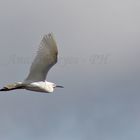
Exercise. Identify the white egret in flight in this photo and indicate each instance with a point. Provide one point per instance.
(45, 59)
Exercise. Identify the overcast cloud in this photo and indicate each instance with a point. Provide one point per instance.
(99, 53)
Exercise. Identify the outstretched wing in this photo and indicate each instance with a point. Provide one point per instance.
(45, 59)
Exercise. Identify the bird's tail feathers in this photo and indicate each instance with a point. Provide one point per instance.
(12, 86)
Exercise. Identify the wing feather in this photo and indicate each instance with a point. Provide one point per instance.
(45, 59)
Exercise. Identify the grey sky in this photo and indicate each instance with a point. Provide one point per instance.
(99, 52)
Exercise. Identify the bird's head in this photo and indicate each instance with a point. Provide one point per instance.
(51, 86)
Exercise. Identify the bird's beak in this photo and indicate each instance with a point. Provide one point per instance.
(59, 86)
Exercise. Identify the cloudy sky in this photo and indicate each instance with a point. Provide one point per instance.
(99, 53)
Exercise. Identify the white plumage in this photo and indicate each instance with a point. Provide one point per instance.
(46, 57)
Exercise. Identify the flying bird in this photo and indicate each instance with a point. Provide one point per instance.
(36, 80)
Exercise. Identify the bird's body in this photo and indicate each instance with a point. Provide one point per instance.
(45, 59)
(41, 86)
